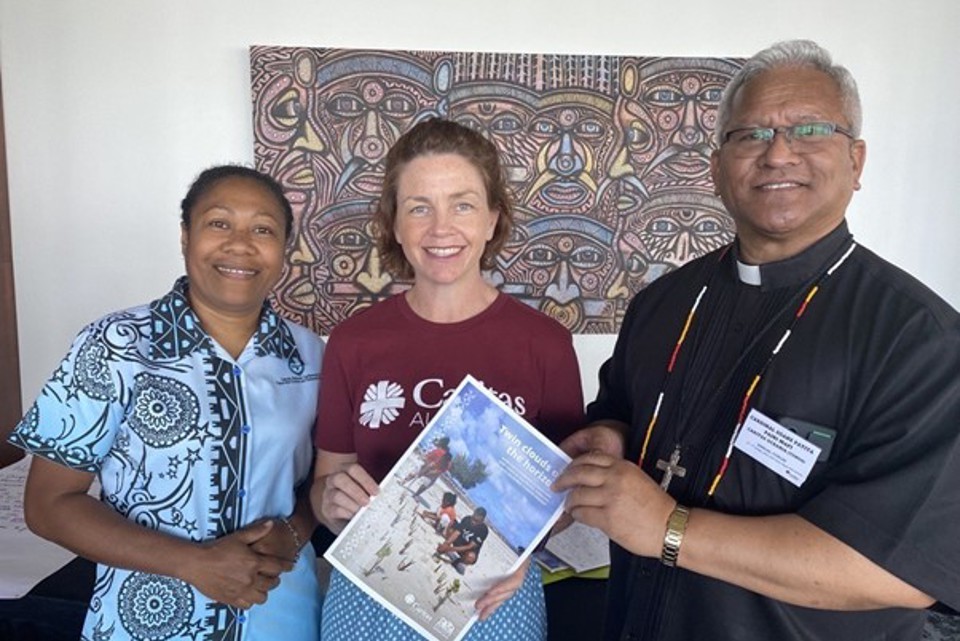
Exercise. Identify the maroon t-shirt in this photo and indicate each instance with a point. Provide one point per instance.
(386, 372)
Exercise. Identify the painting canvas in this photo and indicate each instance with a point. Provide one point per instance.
(607, 158)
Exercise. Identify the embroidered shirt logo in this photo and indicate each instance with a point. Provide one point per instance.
(381, 404)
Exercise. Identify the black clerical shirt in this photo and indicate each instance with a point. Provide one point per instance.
(872, 364)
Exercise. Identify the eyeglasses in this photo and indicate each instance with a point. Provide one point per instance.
(802, 138)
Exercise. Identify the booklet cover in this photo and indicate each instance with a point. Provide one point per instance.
(462, 508)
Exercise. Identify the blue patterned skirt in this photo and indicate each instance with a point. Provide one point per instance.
(348, 613)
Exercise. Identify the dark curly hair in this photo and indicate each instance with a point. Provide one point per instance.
(208, 178)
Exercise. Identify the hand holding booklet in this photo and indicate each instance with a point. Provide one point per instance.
(460, 511)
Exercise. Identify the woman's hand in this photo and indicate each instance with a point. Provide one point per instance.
(278, 542)
(230, 571)
(499, 593)
(340, 488)
(290, 534)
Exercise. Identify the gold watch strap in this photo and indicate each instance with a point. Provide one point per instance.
(673, 537)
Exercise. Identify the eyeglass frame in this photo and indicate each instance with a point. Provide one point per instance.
(786, 131)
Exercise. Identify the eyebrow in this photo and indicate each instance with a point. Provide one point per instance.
(795, 120)
(466, 192)
(459, 194)
(260, 213)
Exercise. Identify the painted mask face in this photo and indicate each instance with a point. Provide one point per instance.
(573, 142)
(365, 114)
(503, 116)
(346, 276)
(682, 100)
(560, 264)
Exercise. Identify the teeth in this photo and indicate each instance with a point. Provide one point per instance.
(779, 185)
(443, 251)
(236, 271)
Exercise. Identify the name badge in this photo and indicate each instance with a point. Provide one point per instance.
(774, 446)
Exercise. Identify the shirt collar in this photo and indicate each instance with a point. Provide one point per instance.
(749, 274)
(796, 269)
(176, 331)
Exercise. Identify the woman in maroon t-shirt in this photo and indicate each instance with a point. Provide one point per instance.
(443, 217)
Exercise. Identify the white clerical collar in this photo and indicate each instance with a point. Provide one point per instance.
(749, 274)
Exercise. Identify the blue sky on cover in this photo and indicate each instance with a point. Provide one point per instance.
(473, 424)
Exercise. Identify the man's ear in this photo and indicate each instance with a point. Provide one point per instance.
(715, 171)
(858, 156)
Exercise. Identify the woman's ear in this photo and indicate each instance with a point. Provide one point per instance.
(494, 218)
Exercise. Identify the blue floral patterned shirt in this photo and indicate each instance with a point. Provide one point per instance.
(188, 441)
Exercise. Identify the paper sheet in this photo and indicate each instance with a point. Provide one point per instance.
(25, 558)
(581, 547)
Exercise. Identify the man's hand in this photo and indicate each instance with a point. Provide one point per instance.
(617, 497)
(606, 437)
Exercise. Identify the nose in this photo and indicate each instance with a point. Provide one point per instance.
(682, 248)
(441, 222)
(566, 162)
(621, 165)
(779, 152)
(563, 289)
(689, 134)
(240, 241)
(619, 288)
(370, 146)
(372, 277)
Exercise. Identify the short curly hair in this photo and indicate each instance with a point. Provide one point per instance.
(208, 178)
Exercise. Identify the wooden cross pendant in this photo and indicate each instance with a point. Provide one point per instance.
(670, 469)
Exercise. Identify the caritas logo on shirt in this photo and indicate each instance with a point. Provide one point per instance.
(383, 401)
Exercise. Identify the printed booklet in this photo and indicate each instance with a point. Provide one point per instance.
(578, 546)
(460, 511)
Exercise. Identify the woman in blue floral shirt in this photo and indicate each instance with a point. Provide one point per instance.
(194, 412)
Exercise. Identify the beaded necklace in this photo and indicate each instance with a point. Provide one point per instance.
(748, 395)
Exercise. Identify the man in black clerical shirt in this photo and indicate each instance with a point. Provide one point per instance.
(774, 450)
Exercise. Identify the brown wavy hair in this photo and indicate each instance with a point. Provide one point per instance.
(441, 136)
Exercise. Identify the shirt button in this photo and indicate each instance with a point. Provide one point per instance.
(242, 618)
(242, 493)
(245, 429)
(237, 371)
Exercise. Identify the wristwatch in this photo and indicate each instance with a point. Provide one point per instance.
(673, 537)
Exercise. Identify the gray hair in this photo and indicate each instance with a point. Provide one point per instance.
(793, 53)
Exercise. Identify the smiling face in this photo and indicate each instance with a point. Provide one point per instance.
(233, 249)
(783, 201)
(443, 220)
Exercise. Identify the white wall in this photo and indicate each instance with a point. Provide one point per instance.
(113, 106)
